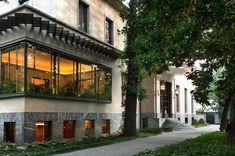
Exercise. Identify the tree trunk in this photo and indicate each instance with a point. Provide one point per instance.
(223, 121)
(232, 119)
(131, 101)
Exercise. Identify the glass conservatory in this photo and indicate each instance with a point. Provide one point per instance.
(34, 70)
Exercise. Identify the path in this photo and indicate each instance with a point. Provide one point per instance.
(129, 148)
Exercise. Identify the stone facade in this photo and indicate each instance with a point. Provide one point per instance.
(25, 123)
(151, 107)
(25, 110)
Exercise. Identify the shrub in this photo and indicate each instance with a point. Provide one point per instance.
(151, 130)
(201, 121)
(195, 122)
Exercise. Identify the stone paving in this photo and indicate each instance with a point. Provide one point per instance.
(129, 148)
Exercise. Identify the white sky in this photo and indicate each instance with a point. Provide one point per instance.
(126, 2)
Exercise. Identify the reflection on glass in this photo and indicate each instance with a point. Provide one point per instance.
(39, 71)
(53, 74)
(67, 77)
(12, 70)
(87, 81)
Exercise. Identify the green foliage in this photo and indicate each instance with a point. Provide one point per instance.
(8, 86)
(32, 88)
(61, 146)
(194, 122)
(70, 89)
(201, 121)
(206, 145)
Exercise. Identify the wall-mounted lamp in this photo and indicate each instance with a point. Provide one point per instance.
(162, 86)
(177, 91)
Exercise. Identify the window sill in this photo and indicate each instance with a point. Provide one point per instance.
(71, 98)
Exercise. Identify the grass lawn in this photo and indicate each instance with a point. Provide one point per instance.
(212, 144)
(53, 147)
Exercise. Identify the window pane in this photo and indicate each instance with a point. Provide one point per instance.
(87, 81)
(67, 77)
(83, 16)
(108, 31)
(104, 85)
(39, 71)
(8, 71)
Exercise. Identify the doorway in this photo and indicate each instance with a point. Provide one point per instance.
(10, 132)
(165, 99)
(43, 131)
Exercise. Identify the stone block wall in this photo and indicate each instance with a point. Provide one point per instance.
(25, 123)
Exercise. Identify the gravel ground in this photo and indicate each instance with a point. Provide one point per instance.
(132, 147)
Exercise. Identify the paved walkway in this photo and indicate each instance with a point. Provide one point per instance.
(129, 148)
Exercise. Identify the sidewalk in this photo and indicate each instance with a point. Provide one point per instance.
(132, 147)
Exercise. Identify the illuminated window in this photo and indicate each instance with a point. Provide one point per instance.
(43, 131)
(67, 77)
(89, 127)
(87, 81)
(69, 129)
(106, 126)
(39, 71)
(12, 70)
(49, 73)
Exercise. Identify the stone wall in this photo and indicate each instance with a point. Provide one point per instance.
(25, 123)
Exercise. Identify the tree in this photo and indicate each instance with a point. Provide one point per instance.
(163, 33)
(147, 30)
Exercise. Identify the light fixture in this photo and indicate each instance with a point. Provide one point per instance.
(162, 86)
(176, 91)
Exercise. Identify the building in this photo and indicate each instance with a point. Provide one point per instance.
(59, 69)
(168, 97)
(60, 75)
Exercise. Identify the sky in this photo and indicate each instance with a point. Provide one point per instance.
(126, 2)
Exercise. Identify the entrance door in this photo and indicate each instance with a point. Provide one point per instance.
(165, 100)
(10, 132)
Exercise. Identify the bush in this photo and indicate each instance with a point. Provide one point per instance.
(151, 130)
(195, 122)
(202, 122)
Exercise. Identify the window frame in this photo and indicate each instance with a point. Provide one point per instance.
(54, 52)
(86, 7)
(111, 31)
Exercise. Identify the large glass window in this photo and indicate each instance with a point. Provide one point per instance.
(87, 81)
(12, 70)
(52, 74)
(39, 71)
(67, 77)
(103, 79)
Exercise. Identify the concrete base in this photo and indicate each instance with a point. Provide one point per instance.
(25, 123)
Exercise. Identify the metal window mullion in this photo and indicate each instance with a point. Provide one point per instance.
(25, 66)
(54, 74)
(9, 65)
(58, 73)
(95, 83)
(0, 66)
(17, 69)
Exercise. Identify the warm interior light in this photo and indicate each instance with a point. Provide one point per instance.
(40, 123)
(162, 86)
